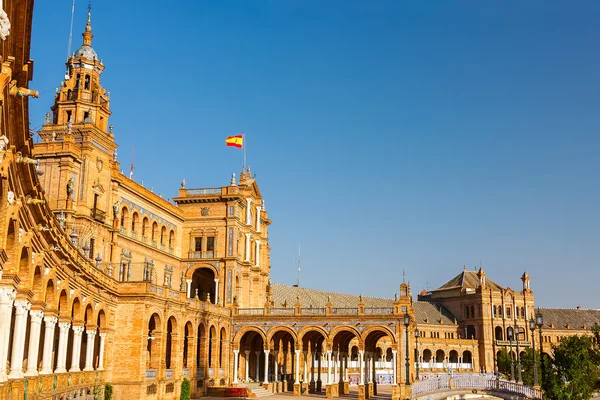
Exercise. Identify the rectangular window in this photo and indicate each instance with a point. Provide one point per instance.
(231, 210)
(210, 243)
(198, 244)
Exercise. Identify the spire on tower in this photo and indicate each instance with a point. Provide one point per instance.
(87, 35)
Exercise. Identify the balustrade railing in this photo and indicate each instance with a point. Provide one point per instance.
(282, 311)
(191, 192)
(251, 311)
(379, 310)
(150, 374)
(462, 382)
(313, 311)
(168, 373)
(345, 311)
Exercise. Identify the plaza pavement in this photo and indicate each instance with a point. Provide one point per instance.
(384, 392)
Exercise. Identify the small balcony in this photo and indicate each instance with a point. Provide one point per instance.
(98, 215)
(203, 254)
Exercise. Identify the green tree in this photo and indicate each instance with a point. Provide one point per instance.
(574, 371)
(186, 390)
(503, 362)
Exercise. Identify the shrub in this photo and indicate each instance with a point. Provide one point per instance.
(108, 390)
(186, 390)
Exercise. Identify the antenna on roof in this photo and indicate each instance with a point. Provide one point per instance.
(131, 166)
(402, 275)
(71, 30)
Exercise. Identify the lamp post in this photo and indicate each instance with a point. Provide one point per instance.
(519, 377)
(535, 372)
(406, 324)
(539, 321)
(417, 352)
(512, 360)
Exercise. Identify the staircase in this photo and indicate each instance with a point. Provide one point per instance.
(256, 389)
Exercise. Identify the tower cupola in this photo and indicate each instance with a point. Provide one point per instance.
(86, 50)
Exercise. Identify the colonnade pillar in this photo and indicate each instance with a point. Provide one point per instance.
(34, 342)
(266, 366)
(7, 298)
(395, 366)
(50, 325)
(89, 350)
(297, 367)
(18, 345)
(235, 365)
(61, 359)
(76, 351)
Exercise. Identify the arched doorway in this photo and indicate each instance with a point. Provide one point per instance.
(252, 357)
(154, 342)
(282, 360)
(498, 333)
(203, 285)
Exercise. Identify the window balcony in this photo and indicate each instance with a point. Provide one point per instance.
(203, 254)
(98, 215)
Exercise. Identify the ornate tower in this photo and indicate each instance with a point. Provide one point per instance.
(78, 149)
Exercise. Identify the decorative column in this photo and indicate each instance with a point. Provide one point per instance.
(217, 291)
(101, 352)
(248, 214)
(369, 362)
(50, 324)
(7, 298)
(89, 350)
(394, 366)
(328, 367)
(235, 365)
(266, 366)
(361, 355)
(276, 356)
(297, 368)
(305, 366)
(313, 360)
(76, 351)
(247, 247)
(257, 369)
(189, 288)
(258, 208)
(61, 360)
(247, 361)
(335, 367)
(257, 255)
(18, 345)
(34, 342)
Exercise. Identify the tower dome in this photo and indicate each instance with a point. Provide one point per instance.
(86, 51)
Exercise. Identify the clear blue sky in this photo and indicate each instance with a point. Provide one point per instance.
(385, 136)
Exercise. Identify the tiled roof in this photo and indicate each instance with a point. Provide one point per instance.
(318, 298)
(432, 313)
(468, 280)
(576, 319)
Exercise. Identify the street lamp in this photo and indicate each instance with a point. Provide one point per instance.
(539, 321)
(519, 377)
(417, 351)
(535, 372)
(406, 324)
(510, 334)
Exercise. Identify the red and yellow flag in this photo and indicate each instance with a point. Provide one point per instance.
(235, 141)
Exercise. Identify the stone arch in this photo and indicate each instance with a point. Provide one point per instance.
(154, 231)
(188, 334)
(163, 234)
(222, 345)
(50, 295)
(101, 319)
(275, 330)
(11, 238)
(76, 314)
(124, 215)
(171, 337)
(381, 328)
(203, 282)
(145, 226)
(427, 356)
(347, 328)
(63, 304)
(37, 286)
(153, 352)
(498, 333)
(88, 315)
(171, 239)
(354, 353)
(135, 221)
(440, 356)
(239, 334)
(467, 357)
(453, 357)
(24, 262)
(212, 345)
(307, 329)
(251, 342)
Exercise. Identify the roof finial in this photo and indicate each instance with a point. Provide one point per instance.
(87, 35)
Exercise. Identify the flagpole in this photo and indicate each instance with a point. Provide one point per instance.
(244, 148)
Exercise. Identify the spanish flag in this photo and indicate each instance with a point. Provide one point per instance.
(235, 141)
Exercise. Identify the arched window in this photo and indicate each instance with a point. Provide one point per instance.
(163, 235)
(154, 230)
(134, 221)
(171, 239)
(87, 82)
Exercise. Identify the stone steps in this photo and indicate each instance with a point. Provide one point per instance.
(258, 390)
